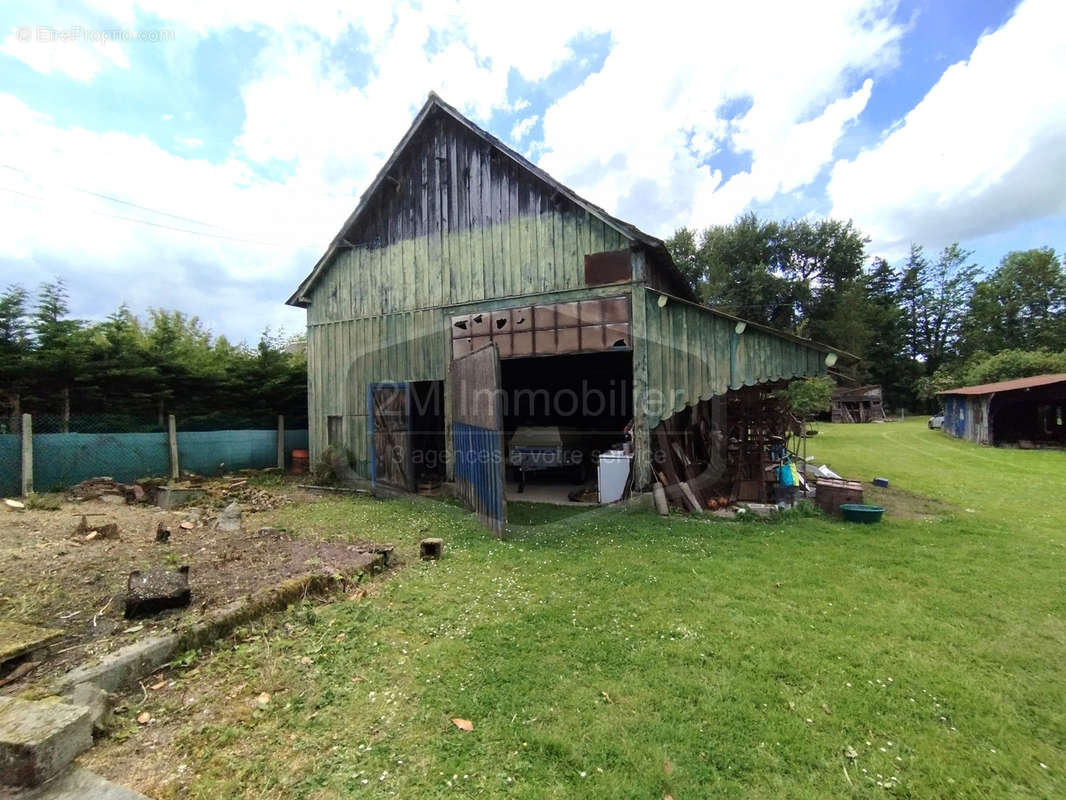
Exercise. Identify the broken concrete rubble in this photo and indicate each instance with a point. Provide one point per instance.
(109, 490)
(431, 549)
(156, 590)
(229, 519)
(96, 701)
(37, 740)
(88, 532)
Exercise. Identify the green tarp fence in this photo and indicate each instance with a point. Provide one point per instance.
(10, 463)
(63, 459)
(216, 452)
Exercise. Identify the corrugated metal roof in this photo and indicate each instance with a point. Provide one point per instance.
(1008, 386)
(844, 355)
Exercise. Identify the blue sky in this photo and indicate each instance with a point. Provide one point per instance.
(202, 159)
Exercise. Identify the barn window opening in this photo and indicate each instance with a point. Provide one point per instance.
(334, 431)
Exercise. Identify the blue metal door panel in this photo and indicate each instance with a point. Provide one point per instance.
(477, 435)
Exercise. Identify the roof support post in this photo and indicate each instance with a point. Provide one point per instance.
(641, 434)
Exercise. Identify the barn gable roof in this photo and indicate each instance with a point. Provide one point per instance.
(654, 245)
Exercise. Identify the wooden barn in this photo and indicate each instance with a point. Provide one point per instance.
(858, 404)
(471, 301)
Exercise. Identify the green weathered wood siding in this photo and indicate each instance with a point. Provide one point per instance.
(461, 223)
(344, 357)
(688, 357)
(457, 225)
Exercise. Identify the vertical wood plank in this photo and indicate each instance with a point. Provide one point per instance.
(573, 247)
(513, 214)
(433, 254)
(408, 283)
(489, 242)
(558, 252)
(527, 235)
(462, 196)
(454, 174)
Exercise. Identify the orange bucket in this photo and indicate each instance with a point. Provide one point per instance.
(300, 460)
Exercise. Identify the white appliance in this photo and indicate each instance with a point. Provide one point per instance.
(613, 474)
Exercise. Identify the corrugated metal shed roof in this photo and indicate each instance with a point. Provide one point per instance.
(1008, 386)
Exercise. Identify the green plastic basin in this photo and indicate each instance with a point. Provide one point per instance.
(856, 512)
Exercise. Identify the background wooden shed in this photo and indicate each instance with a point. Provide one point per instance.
(857, 404)
(1025, 411)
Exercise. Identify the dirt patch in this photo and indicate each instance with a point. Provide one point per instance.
(55, 573)
(900, 504)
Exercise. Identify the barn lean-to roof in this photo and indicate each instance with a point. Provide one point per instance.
(1009, 386)
(654, 245)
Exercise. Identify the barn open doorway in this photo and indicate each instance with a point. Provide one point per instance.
(427, 434)
(560, 413)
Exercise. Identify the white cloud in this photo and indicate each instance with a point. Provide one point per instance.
(637, 135)
(65, 50)
(984, 150)
(522, 128)
(634, 137)
(237, 233)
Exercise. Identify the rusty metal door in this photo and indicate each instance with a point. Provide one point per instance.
(477, 435)
(390, 435)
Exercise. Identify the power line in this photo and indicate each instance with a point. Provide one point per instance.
(103, 196)
(157, 224)
(230, 236)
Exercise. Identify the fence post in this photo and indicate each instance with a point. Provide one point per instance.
(281, 442)
(172, 436)
(27, 454)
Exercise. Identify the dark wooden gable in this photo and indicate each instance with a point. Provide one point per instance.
(447, 181)
(469, 199)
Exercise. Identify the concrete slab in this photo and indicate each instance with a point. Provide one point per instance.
(39, 739)
(17, 639)
(121, 667)
(176, 496)
(556, 494)
(80, 784)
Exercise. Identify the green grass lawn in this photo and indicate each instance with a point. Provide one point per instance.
(618, 654)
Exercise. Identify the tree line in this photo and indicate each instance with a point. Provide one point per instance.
(937, 321)
(127, 374)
